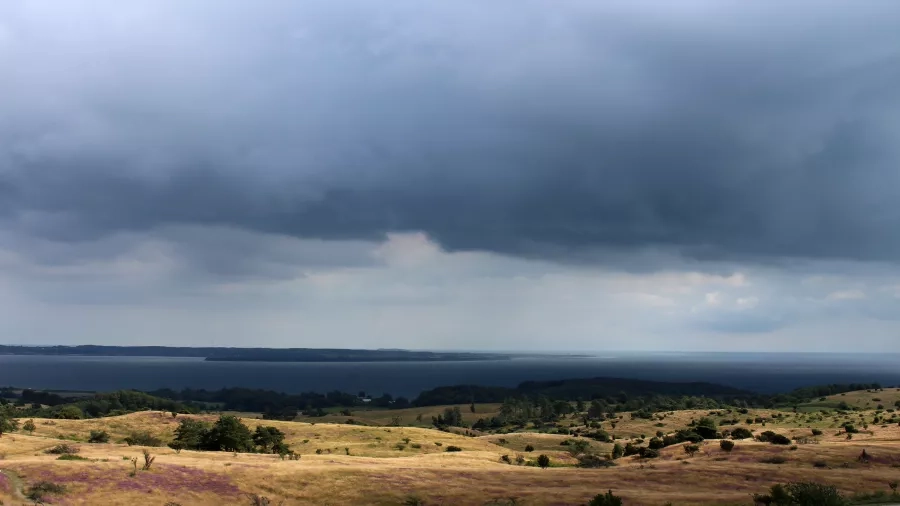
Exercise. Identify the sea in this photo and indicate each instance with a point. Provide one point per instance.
(760, 372)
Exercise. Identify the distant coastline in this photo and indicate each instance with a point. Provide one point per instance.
(255, 354)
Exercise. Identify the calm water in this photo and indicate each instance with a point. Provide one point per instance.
(761, 372)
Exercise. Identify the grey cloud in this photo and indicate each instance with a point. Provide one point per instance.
(727, 131)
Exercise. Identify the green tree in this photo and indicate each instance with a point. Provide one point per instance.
(543, 461)
(228, 434)
(578, 446)
(726, 445)
(268, 438)
(70, 412)
(191, 434)
(691, 449)
(7, 423)
(617, 451)
(706, 428)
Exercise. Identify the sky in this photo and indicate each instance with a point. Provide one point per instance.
(571, 175)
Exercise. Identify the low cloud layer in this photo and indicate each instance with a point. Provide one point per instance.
(205, 150)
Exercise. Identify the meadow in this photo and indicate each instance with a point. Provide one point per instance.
(369, 462)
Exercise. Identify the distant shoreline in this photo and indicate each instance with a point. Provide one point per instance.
(253, 354)
(312, 355)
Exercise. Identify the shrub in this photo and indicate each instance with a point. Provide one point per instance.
(143, 439)
(774, 438)
(529, 448)
(39, 491)
(63, 449)
(806, 494)
(849, 428)
(775, 459)
(70, 412)
(98, 436)
(648, 453)
(821, 464)
(617, 451)
(594, 461)
(691, 449)
(71, 457)
(452, 448)
(816, 432)
(656, 443)
(607, 499)
(29, 426)
(543, 461)
(726, 445)
(578, 446)
(741, 433)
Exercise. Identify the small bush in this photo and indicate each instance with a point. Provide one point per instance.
(821, 464)
(607, 499)
(741, 433)
(71, 457)
(39, 491)
(594, 461)
(143, 439)
(850, 429)
(816, 432)
(726, 445)
(691, 449)
(98, 436)
(543, 461)
(774, 438)
(529, 448)
(775, 459)
(63, 449)
(452, 448)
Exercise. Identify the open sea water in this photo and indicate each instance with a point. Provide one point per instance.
(762, 372)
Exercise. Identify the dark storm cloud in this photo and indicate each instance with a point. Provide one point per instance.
(718, 130)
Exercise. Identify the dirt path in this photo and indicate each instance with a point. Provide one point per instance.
(16, 483)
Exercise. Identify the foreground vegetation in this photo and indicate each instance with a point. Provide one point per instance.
(733, 455)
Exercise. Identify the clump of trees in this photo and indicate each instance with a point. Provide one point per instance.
(451, 417)
(229, 434)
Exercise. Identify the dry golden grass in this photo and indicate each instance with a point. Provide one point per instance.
(420, 417)
(376, 472)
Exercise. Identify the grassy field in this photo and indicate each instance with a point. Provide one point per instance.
(381, 465)
(417, 417)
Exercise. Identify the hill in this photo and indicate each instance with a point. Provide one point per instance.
(361, 464)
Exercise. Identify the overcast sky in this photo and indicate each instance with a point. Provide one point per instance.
(468, 174)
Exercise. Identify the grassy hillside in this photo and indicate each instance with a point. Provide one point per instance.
(391, 465)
